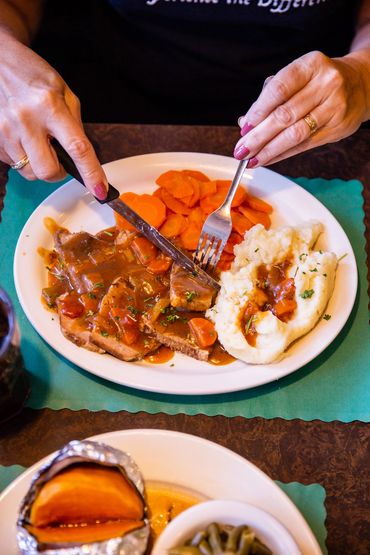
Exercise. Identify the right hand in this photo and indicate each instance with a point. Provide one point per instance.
(35, 105)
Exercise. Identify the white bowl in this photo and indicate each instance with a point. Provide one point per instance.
(269, 530)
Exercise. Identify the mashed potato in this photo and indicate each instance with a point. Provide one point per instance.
(310, 275)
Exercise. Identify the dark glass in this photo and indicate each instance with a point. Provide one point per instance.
(14, 386)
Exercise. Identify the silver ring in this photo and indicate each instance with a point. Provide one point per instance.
(21, 163)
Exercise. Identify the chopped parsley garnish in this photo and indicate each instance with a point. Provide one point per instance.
(104, 333)
(172, 318)
(91, 295)
(313, 270)
(326, 317)
(302, 255)
(133, 310)
(307, 293)
(108, 233)
(343, 256)
(148, 299)
(172, 364)
(296, 271)
(189, 295)
(99, 284)
(249, 323)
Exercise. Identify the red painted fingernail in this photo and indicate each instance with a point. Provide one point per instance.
(246, 128)
(241, 152)
(253, 162)
(100, 191)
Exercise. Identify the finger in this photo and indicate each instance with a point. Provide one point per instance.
(43, 159)
(71, 136)
(283, 117)
(245, 125)
(292, 137)
(16, 152)
(73, 104)
(286, 83)
(320, 138)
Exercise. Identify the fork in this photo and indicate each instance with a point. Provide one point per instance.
(217, 227)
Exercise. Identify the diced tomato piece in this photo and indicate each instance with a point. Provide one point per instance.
(71, 306)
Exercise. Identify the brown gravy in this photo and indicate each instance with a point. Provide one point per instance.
(94, 263)
(274, 291)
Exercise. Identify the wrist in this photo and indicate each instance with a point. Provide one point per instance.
(359, 61)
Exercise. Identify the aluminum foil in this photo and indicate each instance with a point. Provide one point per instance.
(132, 543)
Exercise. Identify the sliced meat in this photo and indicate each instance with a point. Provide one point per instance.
(80, 254)
(189, 293)
(107, 332)
(77, 330)
(172, 329)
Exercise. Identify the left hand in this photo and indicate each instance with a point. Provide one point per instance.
(331, 91)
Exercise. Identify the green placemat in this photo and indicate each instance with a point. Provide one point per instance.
(310, 500)
(334, 386)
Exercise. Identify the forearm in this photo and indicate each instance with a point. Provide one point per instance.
(359, 54)
(20, 19)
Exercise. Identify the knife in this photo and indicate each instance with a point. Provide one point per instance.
(137, 221)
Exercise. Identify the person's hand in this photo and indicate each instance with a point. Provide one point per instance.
(313, 101)
(35, 105)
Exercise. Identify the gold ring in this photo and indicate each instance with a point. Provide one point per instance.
(311, 122)
(21, 163)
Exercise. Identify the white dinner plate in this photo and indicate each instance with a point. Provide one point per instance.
(74, 208)
(187, 461)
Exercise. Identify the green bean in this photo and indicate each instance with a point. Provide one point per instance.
(221, 539)
(204, 548)
(259, 548)
(214, 539)
(199, 536)
(246, 542)
(184, 550)
(233, 538)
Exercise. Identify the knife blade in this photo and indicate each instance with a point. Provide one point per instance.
(137, 221)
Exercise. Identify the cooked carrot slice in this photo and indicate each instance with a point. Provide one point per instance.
(233, 240)
(174, 204)
(90, 302)
(149, 207)
(159, 265)
(157, 193)
(196, 174)
(207, 188)
(224, 263)
(203, 331)
(258, 204)
(190, 237)
(152, 209)
(212, 202)
(197, 216)
(255, 216)
(241, 224)
(239, 196)
(176, 183)
(121, 222)
(196, 192)
(126, 323)
(173, 226)
(144, 250)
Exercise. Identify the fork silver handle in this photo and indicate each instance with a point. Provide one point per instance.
(234, 185)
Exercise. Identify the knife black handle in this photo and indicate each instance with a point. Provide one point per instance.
(70, 167)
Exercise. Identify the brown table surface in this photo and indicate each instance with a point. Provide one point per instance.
(333, 454)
